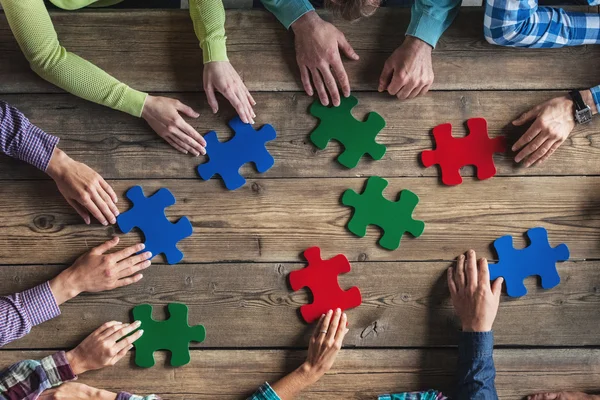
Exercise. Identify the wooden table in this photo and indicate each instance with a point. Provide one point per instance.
(234, 275)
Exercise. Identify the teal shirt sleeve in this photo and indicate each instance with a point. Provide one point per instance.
(265, 392)
(288, 11)
(430, 18)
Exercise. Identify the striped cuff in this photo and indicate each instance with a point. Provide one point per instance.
(129, 396)
(265, 392)
(37, 147)
(214, 50)
(57, 368)
(133, 102)
(40, 304)
(596, 96)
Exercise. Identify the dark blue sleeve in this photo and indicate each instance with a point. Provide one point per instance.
(476, 371)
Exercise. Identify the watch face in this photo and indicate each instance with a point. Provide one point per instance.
(583, 116)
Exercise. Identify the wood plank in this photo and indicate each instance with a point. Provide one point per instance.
(411, 298)
(357, 374)
(119, 146)
(276, 219)
(157, 51)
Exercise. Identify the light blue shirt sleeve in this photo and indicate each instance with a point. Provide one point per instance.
(288, 11)
(430, 18)
(265, 392)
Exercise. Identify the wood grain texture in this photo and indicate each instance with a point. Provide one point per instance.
(157, 51)
(360, 375)
(405, 304)
(121, 147)
(276, 219)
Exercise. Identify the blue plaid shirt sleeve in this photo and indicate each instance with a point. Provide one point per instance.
(265, 392)
(522, 23)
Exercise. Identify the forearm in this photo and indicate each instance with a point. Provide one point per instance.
(429, 19)
(24, 141)
(29, 378)
(22, 311)
(208, 17)
(288, 11)
(523, 24)
(292, 384)
(33, 30)
(476, 371)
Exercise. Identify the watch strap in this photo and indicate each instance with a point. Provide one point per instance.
(578, 100)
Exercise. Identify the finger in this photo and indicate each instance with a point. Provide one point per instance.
(111, 330)
(424, 90)
(539, 153)
(497, 287)
(385, 77)
(90, 204)
(103, 207)
(318, 82)
(104, 247)
(471, 271)
(342, 77)
(123, 331)
(450, 278)
(306, 80)
(319, 326)
(483, 273)
(108, 189)
(346, 48)
(247, 109)
(132, 269)
(183, 140)
(325, 326)
(114, 211)
(415, 92)
(129, 340)
(341, 330)
(535, 144)
(460, 278)
(128, 251)
(554, 147)
(104, 327)
(527, 137)
(133, 260)
(333, 325)
(187, 110)
(132, 279)
(237, 104)
(176, 145)
(395, 85)
(192, 137)
(251, 99)
(212, 99)
(122, 353)
(81, 210)
(331, 85)
(405, 91)
(527, 116)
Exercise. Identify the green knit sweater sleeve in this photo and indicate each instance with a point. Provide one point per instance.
(209, 24)
(31, 25)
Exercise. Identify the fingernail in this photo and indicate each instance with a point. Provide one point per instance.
(329, 312)
(113, 220)
(141, 332)
(104, 223)
(117, 212)
(142, 246)
(253, 114)
(344, 315)
(148, 254)
(147, 263)
(337, 311)
(137, 323)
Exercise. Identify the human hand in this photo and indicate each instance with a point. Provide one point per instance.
(553, 123)
(83, 188)
(103, 347)
(475, 301)
(96, 271)
(317, 53)
(163, 115)
(408, 72)
(563, 396)
(222, 77)
(76, 391)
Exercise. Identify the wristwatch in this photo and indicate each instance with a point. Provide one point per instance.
(583, 112)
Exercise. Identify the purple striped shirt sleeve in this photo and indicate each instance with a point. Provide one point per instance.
(24, 141)
(22, 311)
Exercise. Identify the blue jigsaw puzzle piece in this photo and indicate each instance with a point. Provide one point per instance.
(247, 146)
(539, 258)
(148, 215)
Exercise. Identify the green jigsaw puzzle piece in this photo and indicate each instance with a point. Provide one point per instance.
(173, 334)
(371, 208)
(357, 137)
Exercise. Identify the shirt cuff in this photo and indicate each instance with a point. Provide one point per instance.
(596, 96)
(57, 368)
(425, 27)
(133, 102)
(288, 12)
(37, 147)
(214, 50)
(266, 392)
(40, 304)
(474, 345)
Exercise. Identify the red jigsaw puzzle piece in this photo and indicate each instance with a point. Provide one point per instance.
(321, 277)
(454, 153)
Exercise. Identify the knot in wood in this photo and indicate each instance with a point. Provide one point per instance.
(46, 222)
(363, 257)
(256, 188)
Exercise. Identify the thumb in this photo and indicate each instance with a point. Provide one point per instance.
(187, 110)
(529, 115)
(346, 48)
(104, 247)
(212, 99)
(497, 287)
